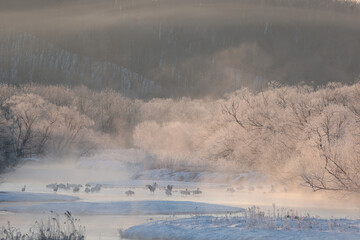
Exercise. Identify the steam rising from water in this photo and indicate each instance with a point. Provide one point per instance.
(253, 191)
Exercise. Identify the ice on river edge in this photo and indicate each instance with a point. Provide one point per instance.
(127, 208)
(34, 197)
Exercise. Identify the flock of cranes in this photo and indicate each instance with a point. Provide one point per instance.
(96, 188)
(74, 187)
(169, 189)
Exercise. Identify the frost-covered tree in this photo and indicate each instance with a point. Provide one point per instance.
(305, 134)
(335, 141)
(72, 132)
(29, 123)
(309, 133)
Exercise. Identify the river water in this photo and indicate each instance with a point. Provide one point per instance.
(101, 226)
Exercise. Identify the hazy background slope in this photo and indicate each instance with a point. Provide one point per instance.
(173, 48)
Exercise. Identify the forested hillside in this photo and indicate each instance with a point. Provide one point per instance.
(27, 59)
(166, 49)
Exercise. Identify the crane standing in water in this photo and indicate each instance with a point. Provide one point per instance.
(168, 190)
(153, 187)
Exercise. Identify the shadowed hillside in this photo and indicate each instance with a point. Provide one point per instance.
(192, 48)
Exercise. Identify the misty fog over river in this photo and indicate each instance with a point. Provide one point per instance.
(168, 119)
(117, 178)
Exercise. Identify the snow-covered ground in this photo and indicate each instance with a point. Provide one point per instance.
(34, 197)
(237, 228)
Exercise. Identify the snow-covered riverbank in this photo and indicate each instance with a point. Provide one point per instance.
(236, 228)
